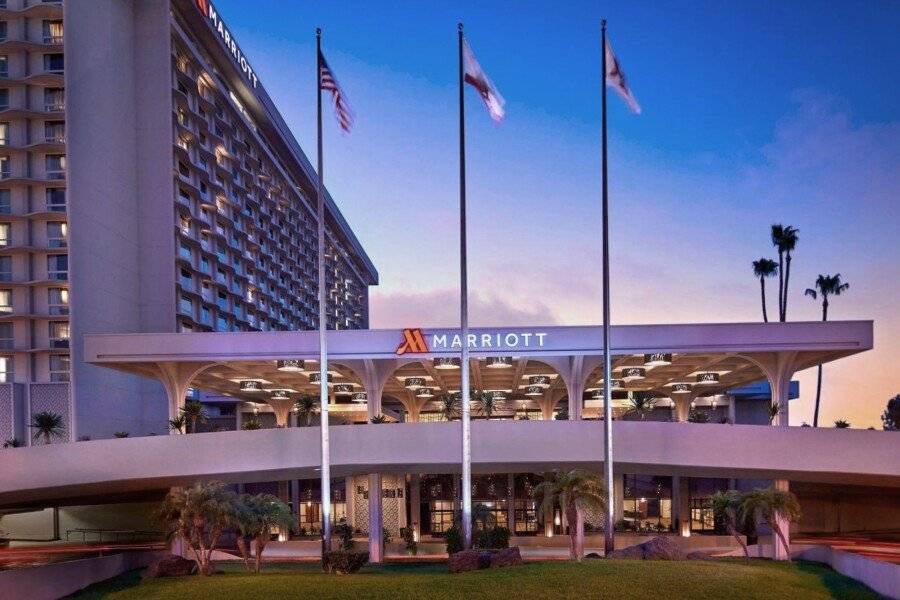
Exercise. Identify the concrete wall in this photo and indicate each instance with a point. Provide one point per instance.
(881, 576)
(38, 525)
(116, 188)
(847, 509)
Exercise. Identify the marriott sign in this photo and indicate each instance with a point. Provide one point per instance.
(209, 11)
(416, 342)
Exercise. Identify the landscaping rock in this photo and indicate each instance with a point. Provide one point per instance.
(171, 566)
(593, 555)
(659, 548)
(465, 560)
(506, 557)
(699, 555)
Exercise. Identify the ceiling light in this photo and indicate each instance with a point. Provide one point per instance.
(539, 380)
(360, 397)
(657, 359)
(534, 390)
(251, 385)
(597, 395)
(499, 362)
(614, 384)
(424, 392)
(707, 378)
(412, 383)
(446, 362)
(681, 388)
(633, 373)
(317, 377)
(290, 365)
(498, 396)
(280, 395)
(343, 389)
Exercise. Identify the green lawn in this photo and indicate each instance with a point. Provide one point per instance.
(714, 580)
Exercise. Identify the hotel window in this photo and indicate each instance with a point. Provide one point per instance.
(4, 99)
(187, 281)
(7, 337)
(184, 251)
(59, 334)
(4, 133)
(54, 99)
(525, 516)
(222, 324)
(222, 301)
(55, 63)
(56, 199)
(4, 65)
(55, 131)
(6, 369)
(58, 301)
(204, 264)
(5, 168)
(60, 365)
(56, 234)
(6, 297)
(58, 266)
(55, 166)
(205, 316)
(3, 30)
(186, 306)
(53, 31)
(4, 234)
(5, 268)
(185, 225)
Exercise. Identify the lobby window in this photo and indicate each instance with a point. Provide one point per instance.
(55, 131)
(55, 62)
(4, 65)
(6, 297)
(6, 369)
(57, 234)
(4, 234)
(58, 301)
(54, 99)
(58, 266)
(5, 268)
(53, 31)
(647, 502)
(441, 515)
(60, 365)
(4, 133)
(59, 334)
(55, 166)
(7, 337)
(56, 199)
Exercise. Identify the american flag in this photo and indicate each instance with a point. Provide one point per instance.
(329, 83)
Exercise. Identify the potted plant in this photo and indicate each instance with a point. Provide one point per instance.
(408, 535)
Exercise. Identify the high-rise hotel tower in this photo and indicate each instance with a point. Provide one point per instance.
(147, 184)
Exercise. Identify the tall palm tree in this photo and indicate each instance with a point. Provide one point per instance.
(450, 406)
(194, 413)
(770, 506)
(198, 515)
(641, 403)
(827, 285)
(785, 238)
(575, 492)
(178, 423)
(306, 406)
(255, 518)
(486, 403)
(47, 425)
(727, 508)
(762, 268)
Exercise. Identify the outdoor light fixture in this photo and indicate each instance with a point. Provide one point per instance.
(657, 359)
(498, 396)
(360, 397)
(251, 385)
(343, 389)
(289, 365)
(597, 395)
(424, 392)
(633, 373)
(539, 381)
(414, 383)
(280, 395)
(317, 377)
(498, 362)
(534, 390)
(707, 378)
(614, 384)
(681, 388)
(446, 362)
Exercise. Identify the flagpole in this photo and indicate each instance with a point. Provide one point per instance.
(464, 315)
(323, 322)
(609, 534)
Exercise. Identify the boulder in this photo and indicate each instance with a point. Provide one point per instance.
(171, 566)
(592, 555)
(465, 560)
(659, 548)
(506, 557)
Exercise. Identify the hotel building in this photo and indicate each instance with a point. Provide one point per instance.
(147, 183)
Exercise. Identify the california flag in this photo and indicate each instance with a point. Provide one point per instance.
(477, 79)
(615, 79)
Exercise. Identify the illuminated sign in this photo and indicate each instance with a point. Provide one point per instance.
(209, 11)
(415, 341)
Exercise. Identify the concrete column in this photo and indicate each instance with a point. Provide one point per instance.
(732, 412)
(295, 502)
(511, 503)
(779, 553)
(415, 504)
(778, 368)
(376, 531)
(282, 410)
(350, 496)
(681, 505)
(682, 406)
(238, 417)
(619, 494)
(579, 536)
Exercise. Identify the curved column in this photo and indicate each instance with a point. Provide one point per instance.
(176, 378)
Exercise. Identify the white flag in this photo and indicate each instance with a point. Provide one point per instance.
(615, 79)
(475, 77)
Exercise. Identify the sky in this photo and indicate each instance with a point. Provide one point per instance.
(754, 113)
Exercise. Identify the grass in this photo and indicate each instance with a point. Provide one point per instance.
(622, 579)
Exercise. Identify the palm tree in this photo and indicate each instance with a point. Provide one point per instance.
(575, 492)
(727, 508)
(785, 238)
(827, 285)
(178, 423)
(47, 425)
(450, 406)
(774, 411)
(486, 403)
(770, 506)
(121, 434)
(641, 403)
(198, 515)
(306, 406)
(12, 443)
(255, 518)
(251, 424)
(842, 424)
(194, 413)
(762, 268)
(378, 419)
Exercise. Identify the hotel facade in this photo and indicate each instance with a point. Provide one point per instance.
(147, 183)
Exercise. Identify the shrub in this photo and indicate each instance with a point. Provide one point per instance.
(453, 537)
(492, 538)
(344, 531)
(343, 562)
(408, 535)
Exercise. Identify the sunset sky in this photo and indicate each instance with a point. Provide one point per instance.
(754, 113)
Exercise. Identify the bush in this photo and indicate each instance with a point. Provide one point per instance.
(492, 538)
(409, 539)
(453, 537)
(344, 531)
(343, 562)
